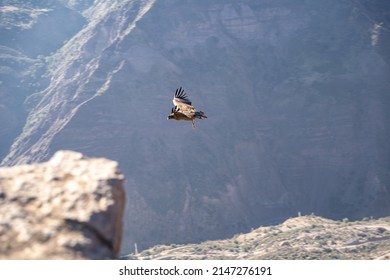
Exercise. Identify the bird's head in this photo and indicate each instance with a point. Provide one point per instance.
(171, 115)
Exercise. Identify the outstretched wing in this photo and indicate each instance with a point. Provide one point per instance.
(180, 98)
(182, 104)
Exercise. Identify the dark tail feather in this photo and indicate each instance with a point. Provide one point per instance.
(200, 115)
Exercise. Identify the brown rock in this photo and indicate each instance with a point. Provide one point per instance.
(70, 207)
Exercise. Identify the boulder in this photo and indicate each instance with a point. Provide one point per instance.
(70, 207)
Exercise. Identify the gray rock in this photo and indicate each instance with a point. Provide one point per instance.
(70, 207)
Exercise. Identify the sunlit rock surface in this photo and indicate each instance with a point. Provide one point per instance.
(70, 207)
(300, 238)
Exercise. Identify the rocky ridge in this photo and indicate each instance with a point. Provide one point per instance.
(300, 238)
(70, 207)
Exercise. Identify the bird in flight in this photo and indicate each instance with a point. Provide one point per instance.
(183, 110)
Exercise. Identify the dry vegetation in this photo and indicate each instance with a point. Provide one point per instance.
(307, 237)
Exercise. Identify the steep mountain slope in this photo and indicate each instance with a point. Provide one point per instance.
(300, 238)
(297, 98)
(29, 31)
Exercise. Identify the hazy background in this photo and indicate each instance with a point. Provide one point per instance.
(296, 93)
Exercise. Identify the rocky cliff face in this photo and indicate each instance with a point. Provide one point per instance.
(296, 95)
(70, 207)
(30, 31)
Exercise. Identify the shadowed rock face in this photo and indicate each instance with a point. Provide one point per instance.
(296, 94)
(70, 207)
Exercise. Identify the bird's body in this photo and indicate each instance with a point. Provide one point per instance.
(183, 110)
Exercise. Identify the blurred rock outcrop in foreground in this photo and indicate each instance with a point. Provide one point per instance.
(70, 207)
